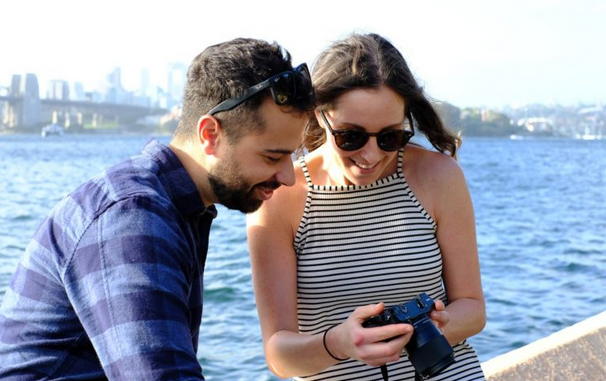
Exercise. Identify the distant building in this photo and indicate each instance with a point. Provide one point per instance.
(114, 78)
(537, 124)
(58, 89)
(94, 96)
(26, 113)
(177, 77)
(114, 91)
(77, 93)
(142, 97)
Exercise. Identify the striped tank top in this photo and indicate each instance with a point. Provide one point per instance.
(363, 244)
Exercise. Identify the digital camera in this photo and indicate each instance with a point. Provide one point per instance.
(428, 349)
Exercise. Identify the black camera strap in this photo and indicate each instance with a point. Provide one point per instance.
(386, 375)
(384, 372)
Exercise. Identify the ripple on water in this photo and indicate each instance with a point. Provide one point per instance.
(220, 294)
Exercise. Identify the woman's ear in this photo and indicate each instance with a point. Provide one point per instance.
(209, 130)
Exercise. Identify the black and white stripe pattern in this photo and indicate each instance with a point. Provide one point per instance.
(358, 245)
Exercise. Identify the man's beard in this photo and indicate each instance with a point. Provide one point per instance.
(232, 191)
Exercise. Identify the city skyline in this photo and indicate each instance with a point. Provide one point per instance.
(109, 90)
(114, 104)
(468, 53)
(56, 88)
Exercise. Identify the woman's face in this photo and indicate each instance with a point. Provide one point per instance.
(372, 111)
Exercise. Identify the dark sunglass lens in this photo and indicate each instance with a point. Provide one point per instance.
(283, 88)
(351, 140)
(304, 75)
(391, 140)
(304, 87)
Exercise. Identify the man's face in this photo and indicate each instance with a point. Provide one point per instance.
(248, 172)
(232, 190)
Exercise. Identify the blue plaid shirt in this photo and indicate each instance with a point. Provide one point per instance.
(111, 284)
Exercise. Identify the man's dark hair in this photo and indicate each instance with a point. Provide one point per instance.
(225, 71)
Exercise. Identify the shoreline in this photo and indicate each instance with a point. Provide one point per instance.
(99, 132)
(160, 132)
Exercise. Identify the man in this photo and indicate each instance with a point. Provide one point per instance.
(111, 284)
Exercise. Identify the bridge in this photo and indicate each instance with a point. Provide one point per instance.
(67, 112)
(22, 107)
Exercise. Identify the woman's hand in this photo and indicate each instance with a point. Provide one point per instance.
(374, 346)
(439, 315)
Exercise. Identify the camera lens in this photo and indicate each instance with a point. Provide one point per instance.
(428, 350)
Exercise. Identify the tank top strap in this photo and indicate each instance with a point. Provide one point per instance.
(305, 171)
(400, 160)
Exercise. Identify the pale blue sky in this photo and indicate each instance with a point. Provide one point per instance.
(469, 53)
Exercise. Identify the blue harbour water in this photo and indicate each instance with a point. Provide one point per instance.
(541, 223)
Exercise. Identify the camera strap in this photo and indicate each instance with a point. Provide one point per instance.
(384, 372)
(386, 375)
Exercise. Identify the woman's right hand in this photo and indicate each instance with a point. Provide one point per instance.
(369, 345)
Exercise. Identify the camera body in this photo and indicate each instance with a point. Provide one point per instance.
(428, 349)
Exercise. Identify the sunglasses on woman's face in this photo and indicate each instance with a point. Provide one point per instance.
(351, 140)
(283, 86)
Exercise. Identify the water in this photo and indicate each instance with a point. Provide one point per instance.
(540, 213)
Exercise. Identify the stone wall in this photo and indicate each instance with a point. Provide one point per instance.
(574, 353)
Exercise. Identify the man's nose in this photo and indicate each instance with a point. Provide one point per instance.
(286, 174)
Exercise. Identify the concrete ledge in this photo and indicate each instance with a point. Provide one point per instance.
(574, 353)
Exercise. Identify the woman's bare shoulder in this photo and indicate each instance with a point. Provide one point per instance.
(430, 166)
(286, 205)
(434, 177)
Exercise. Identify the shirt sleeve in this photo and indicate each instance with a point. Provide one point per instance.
(129, 281)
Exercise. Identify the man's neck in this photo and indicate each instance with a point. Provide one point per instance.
(195, 163)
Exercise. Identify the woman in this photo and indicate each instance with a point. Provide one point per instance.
(371, 222)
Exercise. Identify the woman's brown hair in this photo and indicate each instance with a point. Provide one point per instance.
(369, 61)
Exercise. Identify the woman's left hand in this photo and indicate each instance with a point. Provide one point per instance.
(439, 315)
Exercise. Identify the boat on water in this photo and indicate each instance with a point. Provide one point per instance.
(52, 129)
(591, 137)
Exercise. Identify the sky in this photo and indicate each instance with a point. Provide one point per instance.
(470, 53)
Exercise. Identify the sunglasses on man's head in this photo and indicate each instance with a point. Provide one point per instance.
(354, 139)
(283, 86)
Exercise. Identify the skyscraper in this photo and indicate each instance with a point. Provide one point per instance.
(177, 76)
(58, 89)
(28, 112)
(114, 91)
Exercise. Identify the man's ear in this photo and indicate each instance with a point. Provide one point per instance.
(209, 131)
